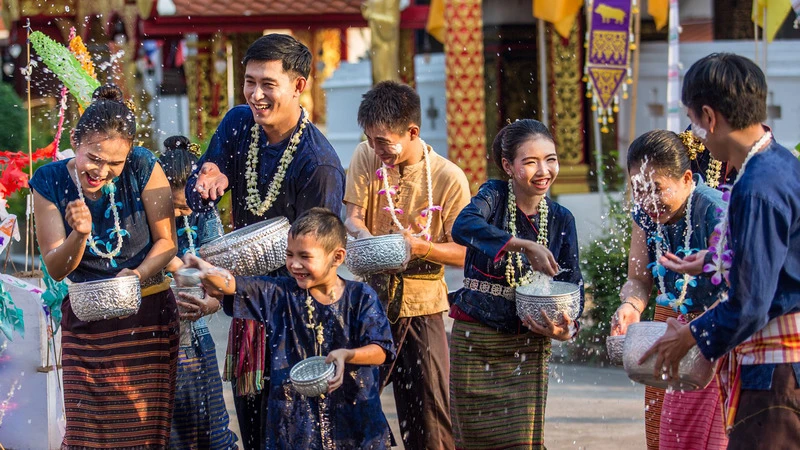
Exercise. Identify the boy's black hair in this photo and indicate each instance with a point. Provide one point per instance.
(107, 115)
(293, 55)
(663, 150)
(177, 162)
(730, 84)
(512, 136)
(324, 224)
(392, 105)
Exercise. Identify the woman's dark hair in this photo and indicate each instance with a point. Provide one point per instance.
(664, 151)
(513, 135)
(177, 162)
(392, 105)
(293, 55)
(106, 115)
(730, 84)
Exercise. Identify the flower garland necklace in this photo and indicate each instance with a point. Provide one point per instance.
(254, 203)
(312, 325)
(388, 191)
(721, 253)
(110, 188)
(541, 238)
(665, 298)
(188, 230)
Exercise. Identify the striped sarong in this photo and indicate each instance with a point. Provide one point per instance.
(654, 397)
(200, 419)
(498, 387)
(119, 376)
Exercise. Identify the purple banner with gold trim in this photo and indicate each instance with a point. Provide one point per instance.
(607, 56)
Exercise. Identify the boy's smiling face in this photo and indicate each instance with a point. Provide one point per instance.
(310, 263)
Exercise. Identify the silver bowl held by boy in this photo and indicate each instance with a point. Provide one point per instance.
(695, 371)
(310, 376)
(376, 254)
(254, 250)
(563, 297)
(105, 299)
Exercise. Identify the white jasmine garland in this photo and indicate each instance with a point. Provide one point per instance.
(312, 325)
(687, 237)
(188, 230)
(254, 203)
(512, 228)
(117, 229)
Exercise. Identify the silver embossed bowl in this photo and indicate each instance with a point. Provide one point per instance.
(310, 376)
(256, 249)
(187, 276)
(614, 347)
(105, 299)
(186, 325)
(694, 372)
(376, 254)
(563, 298)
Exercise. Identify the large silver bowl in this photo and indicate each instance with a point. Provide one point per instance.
(694, 372)
(105, 299)
(256, 249)
(376, 254)
(563, 298)
(310, 376)
(614, 348)
(186, 325)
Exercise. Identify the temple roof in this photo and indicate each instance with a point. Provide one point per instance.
(265, 7)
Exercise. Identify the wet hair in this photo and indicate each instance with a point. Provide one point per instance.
(293, 55)
(664, 152)
(324, 224)
(392, 105)
(731, 84)
(177, 161)
(107, 115)
(512, 136)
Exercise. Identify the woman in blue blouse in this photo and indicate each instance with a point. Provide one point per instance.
(103, 214)
(498, 381)
(674, 212)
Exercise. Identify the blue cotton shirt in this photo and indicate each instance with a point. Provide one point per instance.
(314, 178)
(481, 227)
(355, 320)
(764, 225)
(53, 182)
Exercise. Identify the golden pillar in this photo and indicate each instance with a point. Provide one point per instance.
(327, 56)
(566, 110)
(198, 85)
(383, 17)
(464, 86)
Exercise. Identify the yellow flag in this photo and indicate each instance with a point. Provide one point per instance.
(561, 13)
(777, 10)
(435, 26)
(659, 9)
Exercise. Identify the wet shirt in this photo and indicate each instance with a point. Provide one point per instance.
(53, 182)
(705, 202)
(196, 230)
(764, 226)
(450, 191)
(315, 176)
(355, 320)
(482, 226)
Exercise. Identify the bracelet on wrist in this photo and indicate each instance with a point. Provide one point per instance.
(633, 306)
(430, 248)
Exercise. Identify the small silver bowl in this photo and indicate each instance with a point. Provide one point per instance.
(614, 346)
(186, 325)
(694, 372)
(105, 299)
(254, 250)
(187, 277)
(563, 298)
(376, 254)
(310, 376)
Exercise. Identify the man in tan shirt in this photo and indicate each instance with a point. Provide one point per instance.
(415, 298)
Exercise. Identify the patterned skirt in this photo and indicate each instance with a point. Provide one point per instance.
(498, 387)
(119, 377)
(200, 420)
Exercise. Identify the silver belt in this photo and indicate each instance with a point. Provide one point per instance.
(490, 288)
(156, 279)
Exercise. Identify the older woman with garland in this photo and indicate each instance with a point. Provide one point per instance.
(498, 383)
(108, 213)
(674, 212)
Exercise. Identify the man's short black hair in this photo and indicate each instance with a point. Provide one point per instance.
(392, 105)
(295, 57)
(324, 224)
(731, 84)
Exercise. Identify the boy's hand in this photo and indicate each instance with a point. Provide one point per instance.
(338, 357)
(216, 280)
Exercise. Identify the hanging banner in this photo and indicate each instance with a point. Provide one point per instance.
(609, 43)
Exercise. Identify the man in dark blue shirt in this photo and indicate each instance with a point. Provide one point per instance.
(276, 163)
(757, 327)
